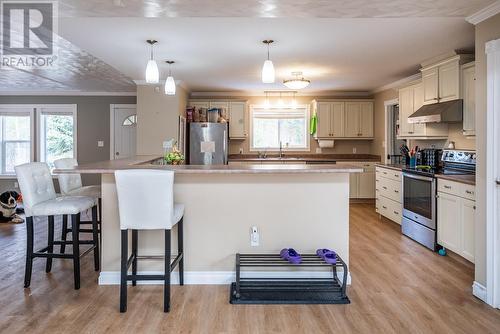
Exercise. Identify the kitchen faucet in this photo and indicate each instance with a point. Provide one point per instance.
(281, 150)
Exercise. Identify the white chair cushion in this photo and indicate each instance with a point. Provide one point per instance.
(35, 183)
(92, 191)
(178, 212)
(66, 205)
(68, 182)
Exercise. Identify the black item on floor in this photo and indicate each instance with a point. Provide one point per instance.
(287, 290)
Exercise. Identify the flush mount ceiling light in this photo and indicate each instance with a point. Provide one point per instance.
(170, 82)
(268, 68)
(152, 73)
(298, 82)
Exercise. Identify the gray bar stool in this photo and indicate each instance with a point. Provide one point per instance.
(71, 185)
(40, 200)
(156, 212)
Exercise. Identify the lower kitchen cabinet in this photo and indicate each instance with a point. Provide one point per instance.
(388, 189)
(456, 219)
(361, 185)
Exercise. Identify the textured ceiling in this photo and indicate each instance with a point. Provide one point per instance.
(272, 8)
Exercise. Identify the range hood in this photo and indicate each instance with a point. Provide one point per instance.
(444, 112)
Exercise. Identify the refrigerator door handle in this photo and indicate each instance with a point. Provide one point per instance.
(225, 148)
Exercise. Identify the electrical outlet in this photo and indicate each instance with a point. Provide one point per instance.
(241, 150)
(318, 150)
(354, 150)
(100, 143)
(254, 236)
(16, 185)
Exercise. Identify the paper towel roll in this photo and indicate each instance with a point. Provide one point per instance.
(326, 143)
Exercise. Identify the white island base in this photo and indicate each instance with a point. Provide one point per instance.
(303, 211)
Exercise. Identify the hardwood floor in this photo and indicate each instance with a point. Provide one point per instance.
(398, 287)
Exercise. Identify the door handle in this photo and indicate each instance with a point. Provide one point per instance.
(497, 181)
(117, 153)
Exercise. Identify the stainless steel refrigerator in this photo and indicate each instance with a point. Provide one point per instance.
(208, 143)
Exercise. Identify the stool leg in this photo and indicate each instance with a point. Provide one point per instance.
(95, 238)
(134, 254)
(64, 233)
(180, 249)
(29, 251)
(166, 288)
(99, 205)
(123, 274)
(75, 223)
(50, 244)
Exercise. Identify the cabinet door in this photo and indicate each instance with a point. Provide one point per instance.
(323, 112)
(352, 113)
(405, 110)
(468, 209)
(337, 119)
(237, 120)
(448, 222)
(449, 82)
(418, 102)
(469, 96)
(353, 185)
(430, 80)
(366, 186)
(199, 104)
(366, 119)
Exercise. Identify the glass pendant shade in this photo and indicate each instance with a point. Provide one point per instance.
(296, 83)
(268, 72)
(152, 73)
(170, 86)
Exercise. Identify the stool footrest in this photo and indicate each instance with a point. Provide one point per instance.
(145, 277)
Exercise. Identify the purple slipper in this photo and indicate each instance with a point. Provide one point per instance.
(290, 255)
(327, 255)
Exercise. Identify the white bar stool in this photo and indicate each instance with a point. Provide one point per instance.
(157, 212)
(40, 199)
(71, 185)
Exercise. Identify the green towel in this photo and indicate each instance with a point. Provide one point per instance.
(313, 124)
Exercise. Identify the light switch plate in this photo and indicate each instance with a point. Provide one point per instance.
(354, 150)
(100, 143)
(318, 150)
(254, 236)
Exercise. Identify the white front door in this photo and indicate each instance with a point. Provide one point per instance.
(124, 130)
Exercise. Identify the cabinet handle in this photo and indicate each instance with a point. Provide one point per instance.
(396, 191)
(469, 192)
(410, 132)
(447, 187)
(384, 207)
(396, 212)
(384, 187)
(498, 182)
(474, 207)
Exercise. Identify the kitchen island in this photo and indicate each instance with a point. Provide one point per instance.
(301, 206)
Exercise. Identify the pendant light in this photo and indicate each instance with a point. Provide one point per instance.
(152, 73)
(268, 68)
(298, 82)
(170, 82)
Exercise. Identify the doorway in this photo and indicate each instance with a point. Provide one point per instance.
(123, 130)
(392, 143)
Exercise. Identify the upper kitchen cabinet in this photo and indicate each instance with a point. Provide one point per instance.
(235, 111)
(411, 98)
(469, 96)
(344, 119)
(441, 80)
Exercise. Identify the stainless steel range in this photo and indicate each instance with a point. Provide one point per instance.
(419, 195)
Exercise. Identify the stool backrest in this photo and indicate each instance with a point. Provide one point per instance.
(68, 182)
(35, 183)
(145, 199)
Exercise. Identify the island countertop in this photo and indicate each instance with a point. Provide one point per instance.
(147, 162)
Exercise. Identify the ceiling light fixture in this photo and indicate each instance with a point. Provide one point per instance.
(152, 73)
(268, 68)
(170, 82)
(298, 82)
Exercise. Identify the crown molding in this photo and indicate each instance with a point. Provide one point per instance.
(484, 13)
(64, 93)
(261, 93)
(399, 83)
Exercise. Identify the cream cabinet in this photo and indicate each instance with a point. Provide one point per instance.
(344, 119)
(469, 95)
(361, 185)
(430, 82)
(411, 98)
(235, 111)
(456, 217)
(388, 188)
(330, 119)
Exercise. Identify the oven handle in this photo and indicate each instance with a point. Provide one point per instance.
(418, 177)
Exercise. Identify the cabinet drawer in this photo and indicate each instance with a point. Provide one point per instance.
(468, 191)
(390, 209)
(389, 188)
(458, 189)
(389, 173)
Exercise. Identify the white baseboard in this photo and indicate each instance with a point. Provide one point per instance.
(216, 277)
(479, 291)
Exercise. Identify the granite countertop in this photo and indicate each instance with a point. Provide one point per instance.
(397, 167)
(147, 162)
(306, 157)
(467, 179)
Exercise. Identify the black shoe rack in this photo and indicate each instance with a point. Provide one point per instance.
(287, 290)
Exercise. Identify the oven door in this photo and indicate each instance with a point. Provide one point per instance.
(419, 199)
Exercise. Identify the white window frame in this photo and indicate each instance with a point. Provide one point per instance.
(56, 109)
(32, 130)
(292, 149)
